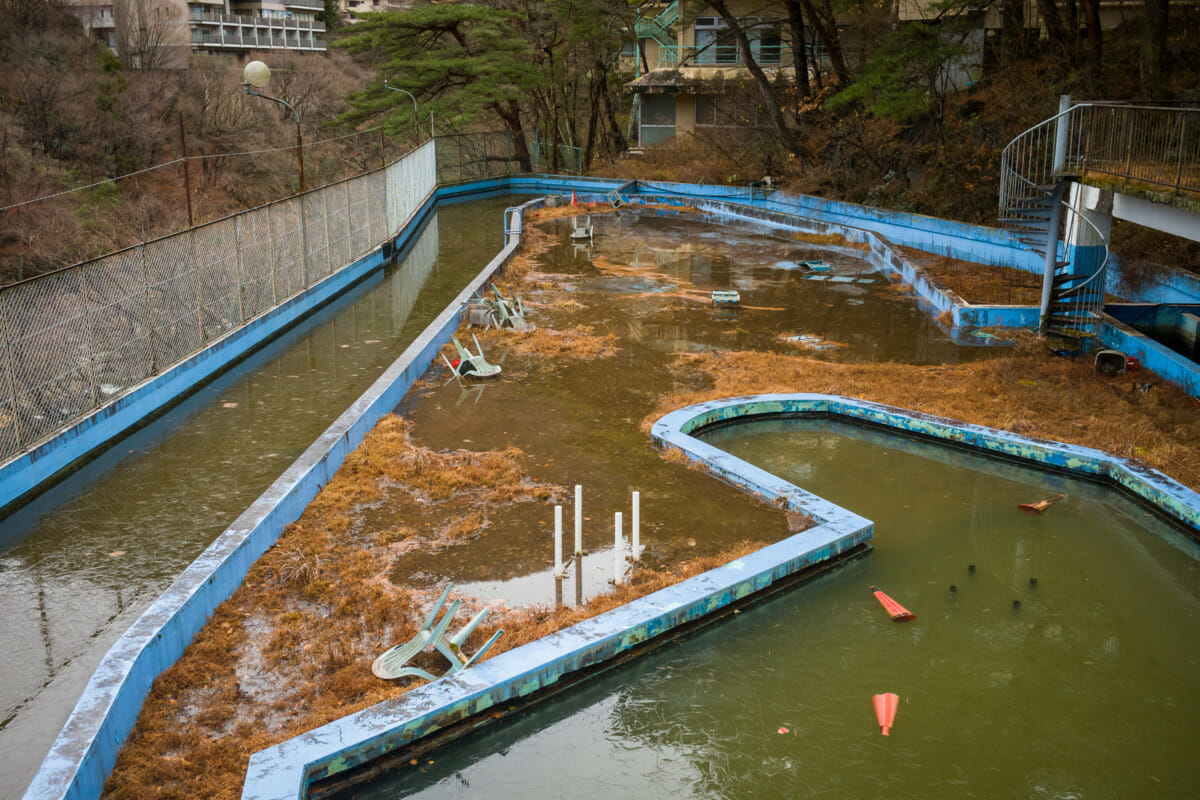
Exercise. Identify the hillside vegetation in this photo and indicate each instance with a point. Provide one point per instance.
(877, 130)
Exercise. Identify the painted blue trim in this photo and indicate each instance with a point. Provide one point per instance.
(86, 749)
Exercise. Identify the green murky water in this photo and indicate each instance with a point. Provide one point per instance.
(81, 562)
(1081, 686)
(647, 280)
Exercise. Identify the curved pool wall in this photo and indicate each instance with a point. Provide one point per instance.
(86, 749)
(285, 771)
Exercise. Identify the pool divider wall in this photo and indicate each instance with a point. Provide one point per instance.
(86, 749)
(286, 770)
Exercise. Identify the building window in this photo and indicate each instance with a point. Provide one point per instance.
(706, 109)
(658, 118)
(770, 45)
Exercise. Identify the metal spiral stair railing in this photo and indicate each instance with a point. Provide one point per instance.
(1033, 171)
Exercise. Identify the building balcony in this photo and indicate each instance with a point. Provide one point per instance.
(209, 18)
(771, 56)
(308, 5)
(204, 40)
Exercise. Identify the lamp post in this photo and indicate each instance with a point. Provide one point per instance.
(258, 74)
(416, 118)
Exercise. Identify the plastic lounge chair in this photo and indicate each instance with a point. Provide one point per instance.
(469, 363)
(393, 663)
(511, 311)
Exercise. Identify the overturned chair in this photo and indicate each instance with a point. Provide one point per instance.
(469, 363)
(509, 312)
(393, 663)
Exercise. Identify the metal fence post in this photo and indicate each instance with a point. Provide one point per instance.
(1179, 156)
(149, 315)
(87, 335)
(237, 265)
(12, 384)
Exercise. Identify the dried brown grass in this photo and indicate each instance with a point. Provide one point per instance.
(579, 342)
(978, 283)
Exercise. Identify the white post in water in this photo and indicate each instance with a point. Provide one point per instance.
(635, 524)
(558, 531)
(578, 520)
(618, 556)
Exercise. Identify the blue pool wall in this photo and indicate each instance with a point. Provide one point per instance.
(83, 755)
(86, 749)
(285, 771)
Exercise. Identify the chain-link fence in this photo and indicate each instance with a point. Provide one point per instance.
(477, 156)
(72, 340)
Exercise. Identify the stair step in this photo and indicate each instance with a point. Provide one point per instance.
(1035, 212)
(1061, 278)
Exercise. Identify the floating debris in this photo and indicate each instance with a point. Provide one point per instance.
(808, 341)
(726, 297)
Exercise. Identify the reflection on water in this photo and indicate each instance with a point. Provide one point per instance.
(1082, 684)
(82, 561)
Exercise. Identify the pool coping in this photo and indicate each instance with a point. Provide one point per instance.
(284, 772)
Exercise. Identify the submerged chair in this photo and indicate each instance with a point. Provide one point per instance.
(469, 363)
(393, 663)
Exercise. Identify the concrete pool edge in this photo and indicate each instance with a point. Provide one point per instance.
(86, 748)
(1169, 497)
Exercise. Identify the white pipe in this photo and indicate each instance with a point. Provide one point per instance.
(578, 520)
(618, 556)
(558, 561)
(636, 525)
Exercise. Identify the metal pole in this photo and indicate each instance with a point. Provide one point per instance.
(1061, 132)
(636, 525)
(618, 556)
(300, 152)
(416, 117)
(1179, 158)
(187, 183)
(12, 386)
(558, 533)
(578, 519)
(1050, 262)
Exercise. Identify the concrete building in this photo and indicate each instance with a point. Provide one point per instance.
(162, 33)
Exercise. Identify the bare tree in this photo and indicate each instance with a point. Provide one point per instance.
(151, 34)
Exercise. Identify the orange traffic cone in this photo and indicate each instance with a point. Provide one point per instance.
(885, 710)
(896, 611)
(1040, 505)
(572, 197)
